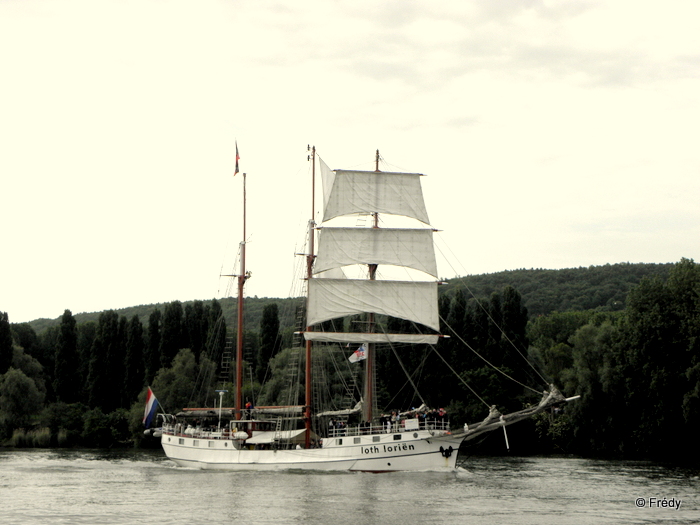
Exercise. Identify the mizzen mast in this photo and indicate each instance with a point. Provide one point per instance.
(309, 275)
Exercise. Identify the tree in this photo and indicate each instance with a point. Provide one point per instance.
(196, 327)
(66, 382)
(171, 333)
(175, 386)
(269, 339)
(134, 365)
(20, 399)
(5, 343)
(87, 332)
(152, 354)
(25, 336)
(103, 386)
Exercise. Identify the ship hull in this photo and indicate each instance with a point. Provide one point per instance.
(373, 453)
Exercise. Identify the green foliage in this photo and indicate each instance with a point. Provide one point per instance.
(65, 423)
(171, 334)
(174, 386)
(602, 288)
(134, 363)
(20, 399)
(269, 339)
(66, 382)
(105, 430)
(5, 343)
(278, 390)
(152, 352)
(637, 374)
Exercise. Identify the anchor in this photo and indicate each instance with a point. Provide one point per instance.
(446, 452)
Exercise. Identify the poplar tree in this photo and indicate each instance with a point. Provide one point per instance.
(196, 327)
(66, 382)
(269, 339)
(134, 362)
(171, 334)
(152, 354)
(101, 381)
(5, 343)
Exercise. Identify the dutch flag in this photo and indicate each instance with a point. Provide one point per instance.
(358, 355)
(151, 407)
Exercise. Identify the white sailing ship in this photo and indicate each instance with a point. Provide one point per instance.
(261, 438)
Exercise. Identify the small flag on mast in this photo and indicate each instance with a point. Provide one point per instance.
(237, 159)
(358, 355)
(151, 407)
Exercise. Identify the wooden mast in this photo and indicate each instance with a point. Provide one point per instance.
(239, 339)
(368, 411)
(309, 274)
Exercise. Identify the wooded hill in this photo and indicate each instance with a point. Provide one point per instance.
(602, 288)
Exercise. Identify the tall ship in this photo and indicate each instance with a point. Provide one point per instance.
(358, 437)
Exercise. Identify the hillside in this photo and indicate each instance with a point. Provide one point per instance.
(543, 291)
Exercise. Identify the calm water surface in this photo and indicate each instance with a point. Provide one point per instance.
(128, 487)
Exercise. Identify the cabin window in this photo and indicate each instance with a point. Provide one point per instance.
(180, 441)
(195, 442)
(356, 441)
(397, 437)
(339, 441)
(211, 444)
(376, 438)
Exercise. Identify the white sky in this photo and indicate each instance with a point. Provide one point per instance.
(554, 134)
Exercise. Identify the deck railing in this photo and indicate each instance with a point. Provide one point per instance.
(406, 425)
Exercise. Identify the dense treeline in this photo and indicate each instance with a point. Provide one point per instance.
(81, 383)
(545, 291)
(636, 368)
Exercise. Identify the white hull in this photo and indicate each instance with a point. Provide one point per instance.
(419, 450)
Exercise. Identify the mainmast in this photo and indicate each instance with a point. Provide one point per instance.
(309, 275)
(368, 409)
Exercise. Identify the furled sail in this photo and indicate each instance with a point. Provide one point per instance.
(412, 248)
(414, 301)
(374, 192)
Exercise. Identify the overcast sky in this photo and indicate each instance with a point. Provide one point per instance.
(553, 134)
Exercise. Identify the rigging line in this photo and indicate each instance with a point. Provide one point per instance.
(486, 360)
(433, 347)
(393, 349)
(459, 376)
(539, 374)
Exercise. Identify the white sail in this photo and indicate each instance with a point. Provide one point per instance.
(374, 192)
(363, 337)
(412, 248)
(413, 301)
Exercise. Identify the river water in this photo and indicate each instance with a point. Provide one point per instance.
(130, 487)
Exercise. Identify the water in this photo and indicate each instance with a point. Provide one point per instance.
(130, 487)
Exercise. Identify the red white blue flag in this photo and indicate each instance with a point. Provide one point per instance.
(358, 355)
(151, 407)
